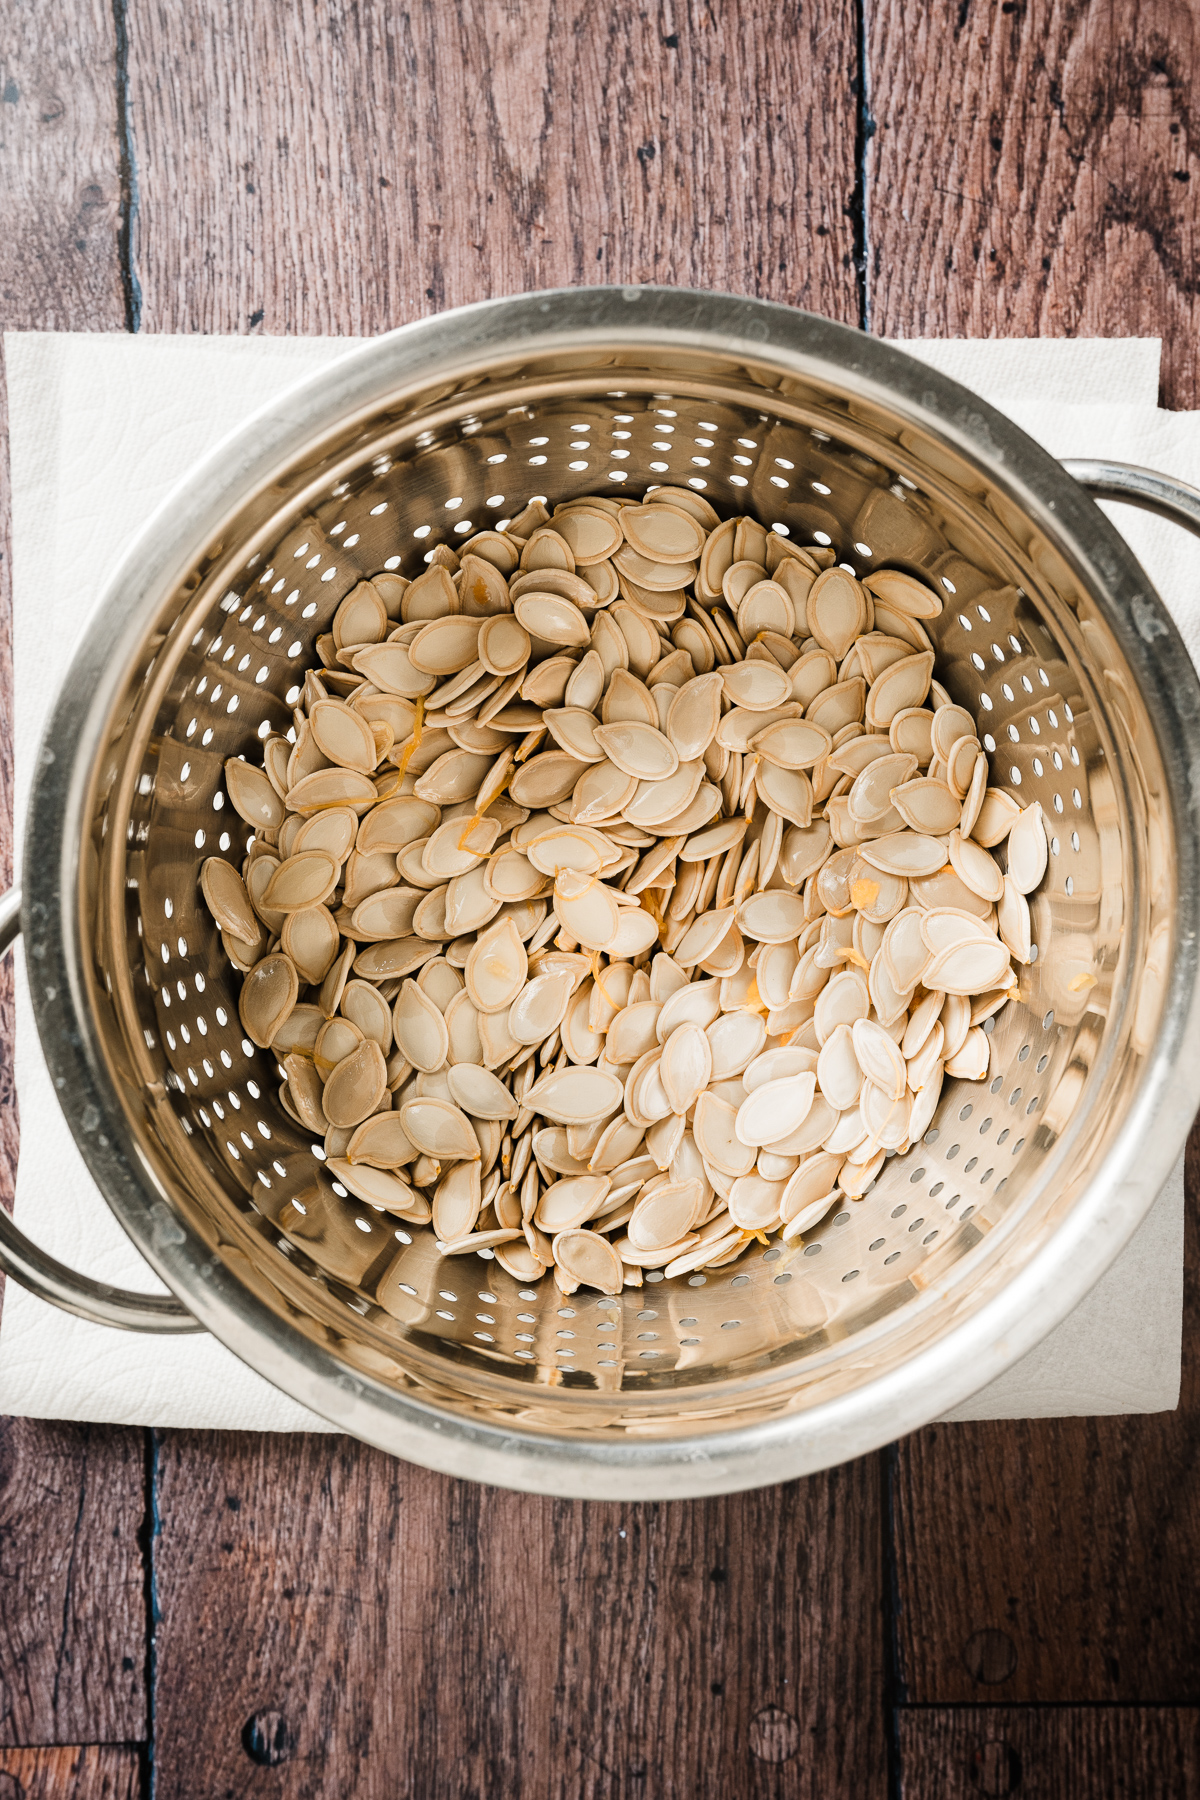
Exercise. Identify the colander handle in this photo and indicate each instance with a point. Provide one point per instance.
(1145, 488)
(50, 1280)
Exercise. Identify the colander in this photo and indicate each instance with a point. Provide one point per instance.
(970, 1246)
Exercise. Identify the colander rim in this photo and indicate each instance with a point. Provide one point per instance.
(969, 1354)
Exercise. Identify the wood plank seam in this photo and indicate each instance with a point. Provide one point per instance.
(127, 167)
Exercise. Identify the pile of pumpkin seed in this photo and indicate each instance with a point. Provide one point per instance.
(624, 889)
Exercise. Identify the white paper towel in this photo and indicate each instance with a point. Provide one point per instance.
(101, 429)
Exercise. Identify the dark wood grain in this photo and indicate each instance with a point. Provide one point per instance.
(305, 168)
(1055, 1560)
(364, 1628)
(59, 271)
(1035, 171)
(72, 1607)
(1051, 1753)
(80, 1772)
(1032, 172)
(72, 1610)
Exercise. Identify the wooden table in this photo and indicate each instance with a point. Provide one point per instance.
(982, 1610)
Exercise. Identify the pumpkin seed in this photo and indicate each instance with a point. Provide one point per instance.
(950, 723)
(792, 743)
(227, 900)
(552, 618)
(972, 966)
(439, 1129)
(677, 791)
(343, 736)
(1027, 849)
(758, 686)
(905, 853)
(267, 996)
(904, 593)
(970, 1063)
(591, 533)
(312, 939)
(390, 668)
(589, 1259)
(772, 1112)
(638, 749)
(456, 1202)
(585, 908)
(927, 806)
(998, 813)
(976, 869)
(836, 611)
(252, 796)
(332, 788)
(356, 1086)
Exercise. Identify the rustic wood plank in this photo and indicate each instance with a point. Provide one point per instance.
(1050, 1753)
(72, 1605)
(1036, 176)
(1050, 1559)
(59, 271)
(1035, 171)
(79, 1772)
(355, 175)
(60, 156)
(72, 1610)
(380, 1630)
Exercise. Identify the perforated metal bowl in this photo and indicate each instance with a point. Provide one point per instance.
(970, 1246)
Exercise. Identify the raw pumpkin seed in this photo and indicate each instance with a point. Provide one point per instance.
(680, 868)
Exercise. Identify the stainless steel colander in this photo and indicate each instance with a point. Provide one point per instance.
(970, 1246)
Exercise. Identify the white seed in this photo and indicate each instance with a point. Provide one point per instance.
(694, 715)
(268, 995)
(420, 1029)
(638, 750)
(927, 806)
(312, 939)
(457, 1201)
(567, 1203)
(879, 1057)
(575, 1095)
(971, 967)
(303, 880)
(683, 791)
(774, 917)
(356, 1086)
(904, 593)
(839, 1073)
(998, 813)
(394, 824)
(1013, 921)
(439, 1129)
(754, 1202)
(906, 853)
(792, 743)
(381, 1142)
(775, 1110)
(1027, 849)
(685, 1067)
(252, 796)
(589, 1259)
(502, 645)
(553, 619)
(736, 1039)
(836, 611)
(976, 869)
